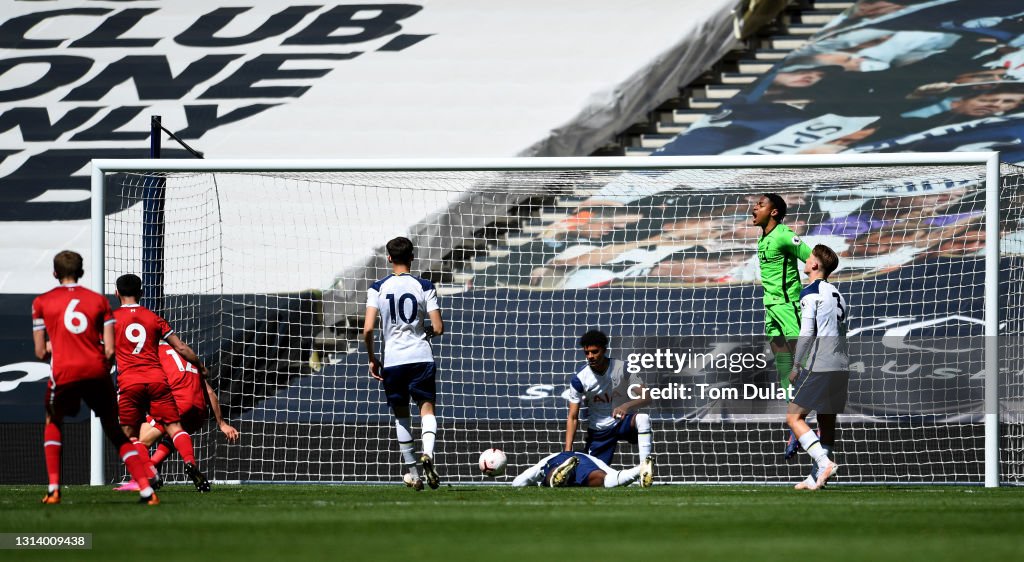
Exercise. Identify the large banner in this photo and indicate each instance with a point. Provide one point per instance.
(366, 79)
(905, 76)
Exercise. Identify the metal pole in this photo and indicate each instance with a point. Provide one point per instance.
(153, 199)
(992, 322)
(552, 163)
(98, 260)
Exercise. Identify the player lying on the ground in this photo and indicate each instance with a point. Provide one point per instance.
(192, 393)
(570, 469)
(821, 385)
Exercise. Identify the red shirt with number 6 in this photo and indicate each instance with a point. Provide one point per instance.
(138, 333)
(73, 317)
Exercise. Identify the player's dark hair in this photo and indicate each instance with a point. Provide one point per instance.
(778, 203)
(68, 264)
(129, 285)
(400, 249)
(827, 258)
(594, 337)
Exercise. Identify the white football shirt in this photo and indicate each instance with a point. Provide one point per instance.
(822, 328)
(404, 301)
(601, 392)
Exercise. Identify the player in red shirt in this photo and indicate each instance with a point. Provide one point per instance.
(192, 392)
(142, 384)
(80, 327)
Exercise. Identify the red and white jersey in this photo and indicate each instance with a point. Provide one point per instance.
(186, 383)
(137, 336)
(73, 317)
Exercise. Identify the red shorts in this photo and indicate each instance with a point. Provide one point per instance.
(66, 400)
(192, 420)
(154, 397)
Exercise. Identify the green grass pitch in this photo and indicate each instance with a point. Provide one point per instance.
(751, 523)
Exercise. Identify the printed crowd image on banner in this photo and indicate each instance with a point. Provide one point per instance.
(695, 227)
(887, 76)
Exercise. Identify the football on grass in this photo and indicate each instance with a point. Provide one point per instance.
(492, 462)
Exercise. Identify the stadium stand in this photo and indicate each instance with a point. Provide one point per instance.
(781, 31)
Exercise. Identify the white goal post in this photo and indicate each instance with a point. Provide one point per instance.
(316, 206)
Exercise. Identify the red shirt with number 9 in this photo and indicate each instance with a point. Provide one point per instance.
(137, 340)
(73, 317)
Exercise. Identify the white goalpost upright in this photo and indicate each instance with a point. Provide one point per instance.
(262, 265)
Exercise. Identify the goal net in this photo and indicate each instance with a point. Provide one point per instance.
(263, 269)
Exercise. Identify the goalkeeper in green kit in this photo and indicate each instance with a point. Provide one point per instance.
(778, 251)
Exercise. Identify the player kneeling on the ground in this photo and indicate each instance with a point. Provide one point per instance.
(571, 469)
(142, 384)
(603, 386)
(822, 385)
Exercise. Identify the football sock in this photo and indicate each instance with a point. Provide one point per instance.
(405, 445)
(163, 449)
(428, 432)
(51, 447)
(617, 478)
(814, 465)
(809, 441)
(784, 365)
(183, 443)
(144, 455)
(643, 431)
(136, 467)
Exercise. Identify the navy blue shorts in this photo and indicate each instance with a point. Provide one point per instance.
(824, 392)
(583, 470)
(601, 443)
(414, 380)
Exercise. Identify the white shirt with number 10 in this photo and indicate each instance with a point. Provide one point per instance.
(404, 301)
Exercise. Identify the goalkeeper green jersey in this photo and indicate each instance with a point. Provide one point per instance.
(778, 253)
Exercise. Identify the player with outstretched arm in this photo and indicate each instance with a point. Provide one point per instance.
(141, 382)
(821, 385)
(407, 368)
(570, 469)
(80, 326)
(602, 385)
